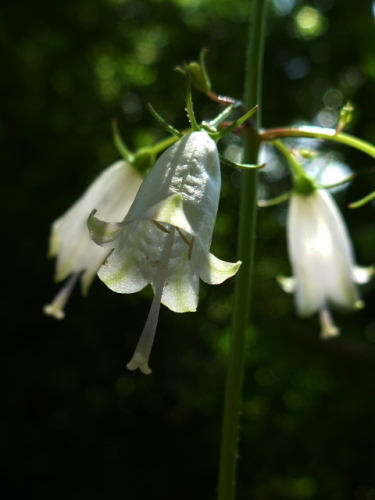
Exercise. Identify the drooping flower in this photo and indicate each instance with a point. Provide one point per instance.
(322, 259)
(165, 237)
(112, 194)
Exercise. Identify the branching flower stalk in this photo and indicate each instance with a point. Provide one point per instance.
(329, 134)
(324, 134)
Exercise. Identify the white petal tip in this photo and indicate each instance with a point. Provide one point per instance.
(52, 310)
(139, 361)
(214, 271)
(287, 284)
(363, 274)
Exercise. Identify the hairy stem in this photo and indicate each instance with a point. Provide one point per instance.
(246, 247)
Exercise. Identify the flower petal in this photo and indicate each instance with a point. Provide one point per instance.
(303, 229)
(288, 284)
(363, 274)
(103, 233)
(181, 290)
(112, 194)
(191, 169)
(136, 259)
(170, 211)
(321, 254)
(214, 271)
(338, 257)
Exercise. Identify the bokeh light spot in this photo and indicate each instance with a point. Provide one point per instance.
(310, 22)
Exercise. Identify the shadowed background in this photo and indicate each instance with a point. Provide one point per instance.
(75, 424)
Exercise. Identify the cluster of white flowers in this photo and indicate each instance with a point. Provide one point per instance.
(163, 237)
(164, 232)
(77, 256)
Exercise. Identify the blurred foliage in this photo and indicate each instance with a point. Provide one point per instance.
(75, 423)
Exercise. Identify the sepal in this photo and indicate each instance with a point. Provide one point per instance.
(275, 201)
(120, 144)
(222, 133)
(163, 123)
(242, 166)
(362, 201)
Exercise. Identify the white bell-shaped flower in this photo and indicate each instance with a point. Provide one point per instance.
(165, 238)
(112, 194)
(322, 259)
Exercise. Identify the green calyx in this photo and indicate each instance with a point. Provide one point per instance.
(143, 159)
(210, 127)
(302, 183)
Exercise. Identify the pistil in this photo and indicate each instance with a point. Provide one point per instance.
(56, 307)
(329, 329)
(143, 349)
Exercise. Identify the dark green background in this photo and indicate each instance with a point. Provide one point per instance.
(75, 423)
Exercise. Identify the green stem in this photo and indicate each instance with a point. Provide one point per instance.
(318, 133)
(296, 168)
(159, 147)
(246, 236)
(303, 184)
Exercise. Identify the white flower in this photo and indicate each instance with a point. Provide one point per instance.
(322, 259)
(165, 238)
(112, 194)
